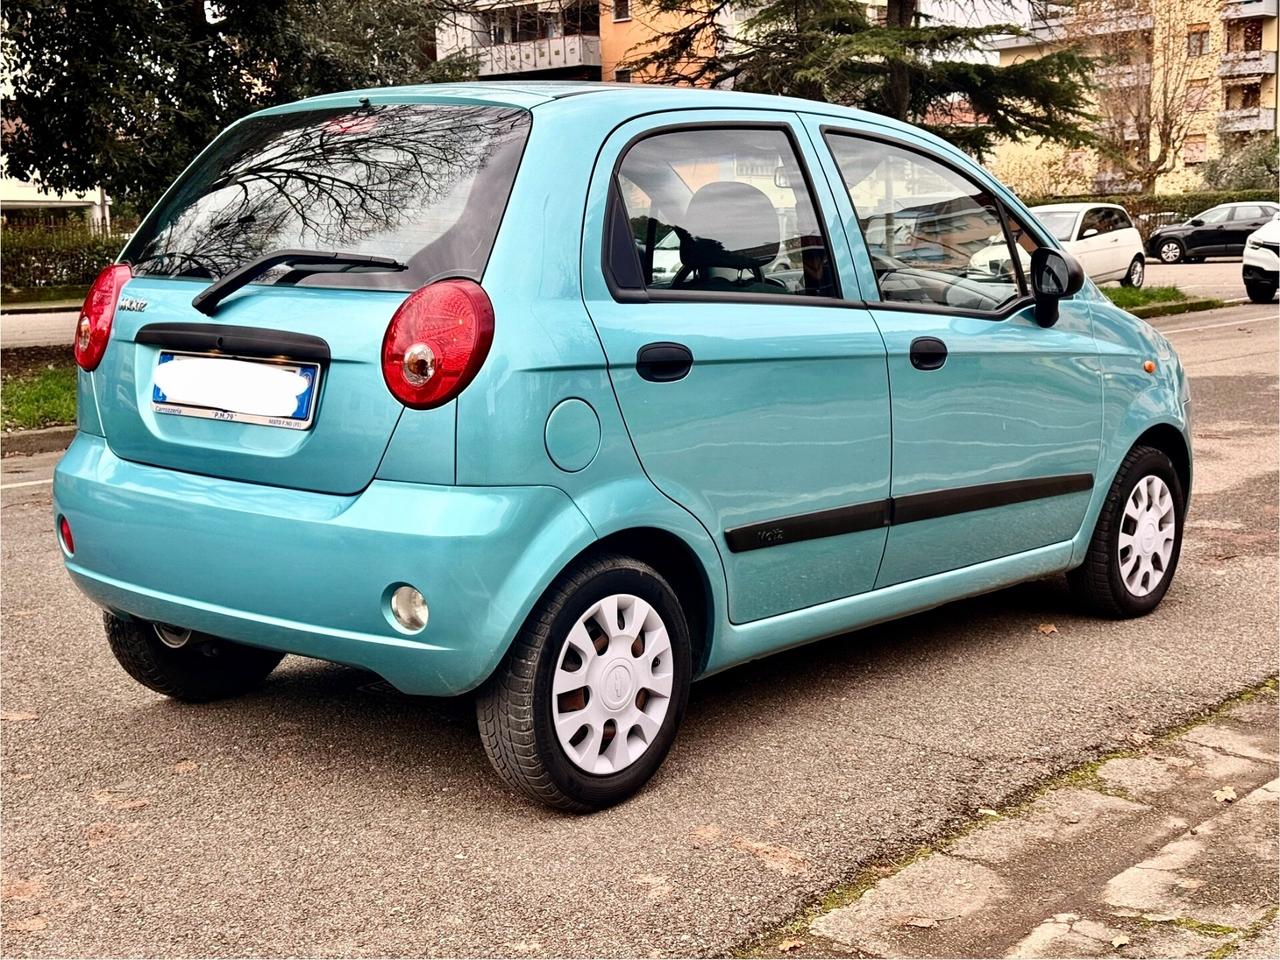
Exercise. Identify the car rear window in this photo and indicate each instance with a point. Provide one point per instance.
(425, 184)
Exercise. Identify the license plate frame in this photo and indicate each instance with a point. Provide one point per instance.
(160, 403)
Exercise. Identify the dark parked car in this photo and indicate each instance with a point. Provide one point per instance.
(1218, 232)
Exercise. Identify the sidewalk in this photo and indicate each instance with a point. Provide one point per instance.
(1168, 851)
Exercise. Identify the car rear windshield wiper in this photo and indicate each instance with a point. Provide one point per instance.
(207, 300)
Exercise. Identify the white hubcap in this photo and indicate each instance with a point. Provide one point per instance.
(612, 685)
(1135, 273)
(1170, 252)
(1146, 536)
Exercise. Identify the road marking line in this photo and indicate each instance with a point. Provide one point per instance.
(25, 483)
(1170, 331)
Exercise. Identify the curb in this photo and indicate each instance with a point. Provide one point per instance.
(1179, 306)
(27, 442)
(18, 309)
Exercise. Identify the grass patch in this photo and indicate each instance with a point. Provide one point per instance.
(43, 397)
(1129, 297)
(15, 295)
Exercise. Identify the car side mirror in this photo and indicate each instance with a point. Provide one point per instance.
(1196, 222)
(1054, 275)
(1091, 232)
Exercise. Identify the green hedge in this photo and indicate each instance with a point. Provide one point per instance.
(1184, 205)
(41, 256)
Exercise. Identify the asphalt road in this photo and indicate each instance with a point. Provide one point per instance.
(325, 815)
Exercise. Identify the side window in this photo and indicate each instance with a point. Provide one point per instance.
(1248, 213)
(1122, 221)
(723, 210)
(1095, 220)
(933, 235)
(1216, 215)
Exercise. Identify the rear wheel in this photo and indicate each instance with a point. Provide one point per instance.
(1170, 251)
(585, 706)
(1260, 291)
(186, 665)
(1136, 273)
(1136, 543)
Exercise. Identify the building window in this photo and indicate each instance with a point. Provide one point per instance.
(1244, 36)
(622, 9)
(1197, 95)
(1195, 150)
(622, 76)
(1246, 96)
(1198, 40)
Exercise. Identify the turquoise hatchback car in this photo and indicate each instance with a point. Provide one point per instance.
(571, 394)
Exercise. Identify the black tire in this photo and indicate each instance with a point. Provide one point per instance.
(1260, 292)
(1171, 251)
(1134, 276)
(1097, 582)
(204, 668)
(514, 708)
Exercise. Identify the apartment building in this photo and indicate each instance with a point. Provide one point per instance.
(1215, 58)
(554, 39)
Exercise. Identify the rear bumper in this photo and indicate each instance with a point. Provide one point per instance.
(310, 573)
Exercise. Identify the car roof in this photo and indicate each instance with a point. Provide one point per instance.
(1071, 207)
(624, 97)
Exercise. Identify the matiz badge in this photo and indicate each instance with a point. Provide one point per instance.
(133, 303)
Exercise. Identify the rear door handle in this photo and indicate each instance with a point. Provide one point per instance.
(928, 353)
(664, 362)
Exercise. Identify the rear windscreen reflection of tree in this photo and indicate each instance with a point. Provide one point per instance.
(399, 175)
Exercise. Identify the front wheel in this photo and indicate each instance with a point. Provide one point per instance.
(1260, 291)
(585, 706)
(1135, 546)
(1170, 251)
(186, 665)
(1136, 273)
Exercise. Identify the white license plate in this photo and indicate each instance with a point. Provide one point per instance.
(237, 389)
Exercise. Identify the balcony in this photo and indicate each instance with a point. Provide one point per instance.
(1248, 9)
(1124, 75)
(1247, 63)
(531, 56)
(1249, 120)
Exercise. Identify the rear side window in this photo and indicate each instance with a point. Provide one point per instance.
(934, 236)
(1248, 213)
(425, 184)
(723, 210)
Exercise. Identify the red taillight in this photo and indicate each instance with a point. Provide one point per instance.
(64, 533)
(436, 342)
(94, 327)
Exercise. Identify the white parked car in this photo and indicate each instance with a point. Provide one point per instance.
(1101, 236)
(1261, 270)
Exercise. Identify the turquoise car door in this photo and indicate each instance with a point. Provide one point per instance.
(755, 395)
(996, 421)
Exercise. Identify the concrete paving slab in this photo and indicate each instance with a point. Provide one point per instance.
(1222, 872)
(898, 916)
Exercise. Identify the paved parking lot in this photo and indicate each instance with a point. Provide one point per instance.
(1212, 278)
(327, 815)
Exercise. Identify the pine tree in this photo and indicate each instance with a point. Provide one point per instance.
(910, 68)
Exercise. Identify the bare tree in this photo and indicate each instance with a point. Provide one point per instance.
(1144, 95)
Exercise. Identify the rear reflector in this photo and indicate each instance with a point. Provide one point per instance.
(437, 342)
(64, 534)
(93, 330)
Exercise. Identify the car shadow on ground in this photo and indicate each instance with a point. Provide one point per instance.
(326, 716)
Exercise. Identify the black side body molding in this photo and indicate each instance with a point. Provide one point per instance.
(898, 510)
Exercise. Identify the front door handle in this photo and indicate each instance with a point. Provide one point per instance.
(664, 362)
(928, 353)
